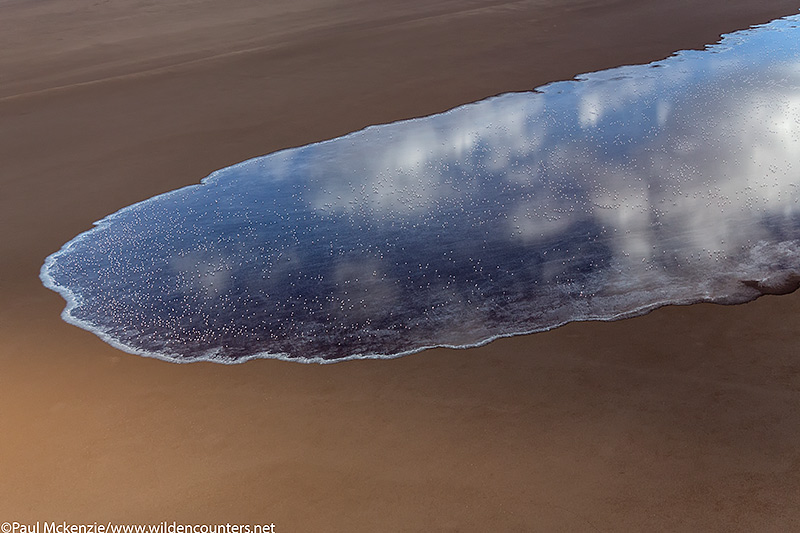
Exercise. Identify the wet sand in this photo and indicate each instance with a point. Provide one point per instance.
(686, 419)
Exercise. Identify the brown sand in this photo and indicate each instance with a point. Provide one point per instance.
(687, 419)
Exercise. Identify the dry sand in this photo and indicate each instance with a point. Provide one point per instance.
(687, 419)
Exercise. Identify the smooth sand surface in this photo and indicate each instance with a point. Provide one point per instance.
(687, 419)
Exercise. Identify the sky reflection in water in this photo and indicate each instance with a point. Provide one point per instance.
(602, 198)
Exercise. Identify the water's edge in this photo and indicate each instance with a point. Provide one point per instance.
(750, 289)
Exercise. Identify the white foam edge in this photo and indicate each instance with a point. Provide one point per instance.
(213, 358)
(72, 299)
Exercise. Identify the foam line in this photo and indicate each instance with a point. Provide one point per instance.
(598, 198)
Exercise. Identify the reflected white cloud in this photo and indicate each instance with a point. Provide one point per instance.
(627, 189)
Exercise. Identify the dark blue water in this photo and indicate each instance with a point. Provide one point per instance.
(596, 198)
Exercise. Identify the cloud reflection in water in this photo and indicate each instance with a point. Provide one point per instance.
(601, 198)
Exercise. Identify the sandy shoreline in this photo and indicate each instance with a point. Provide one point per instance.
(685, 419)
